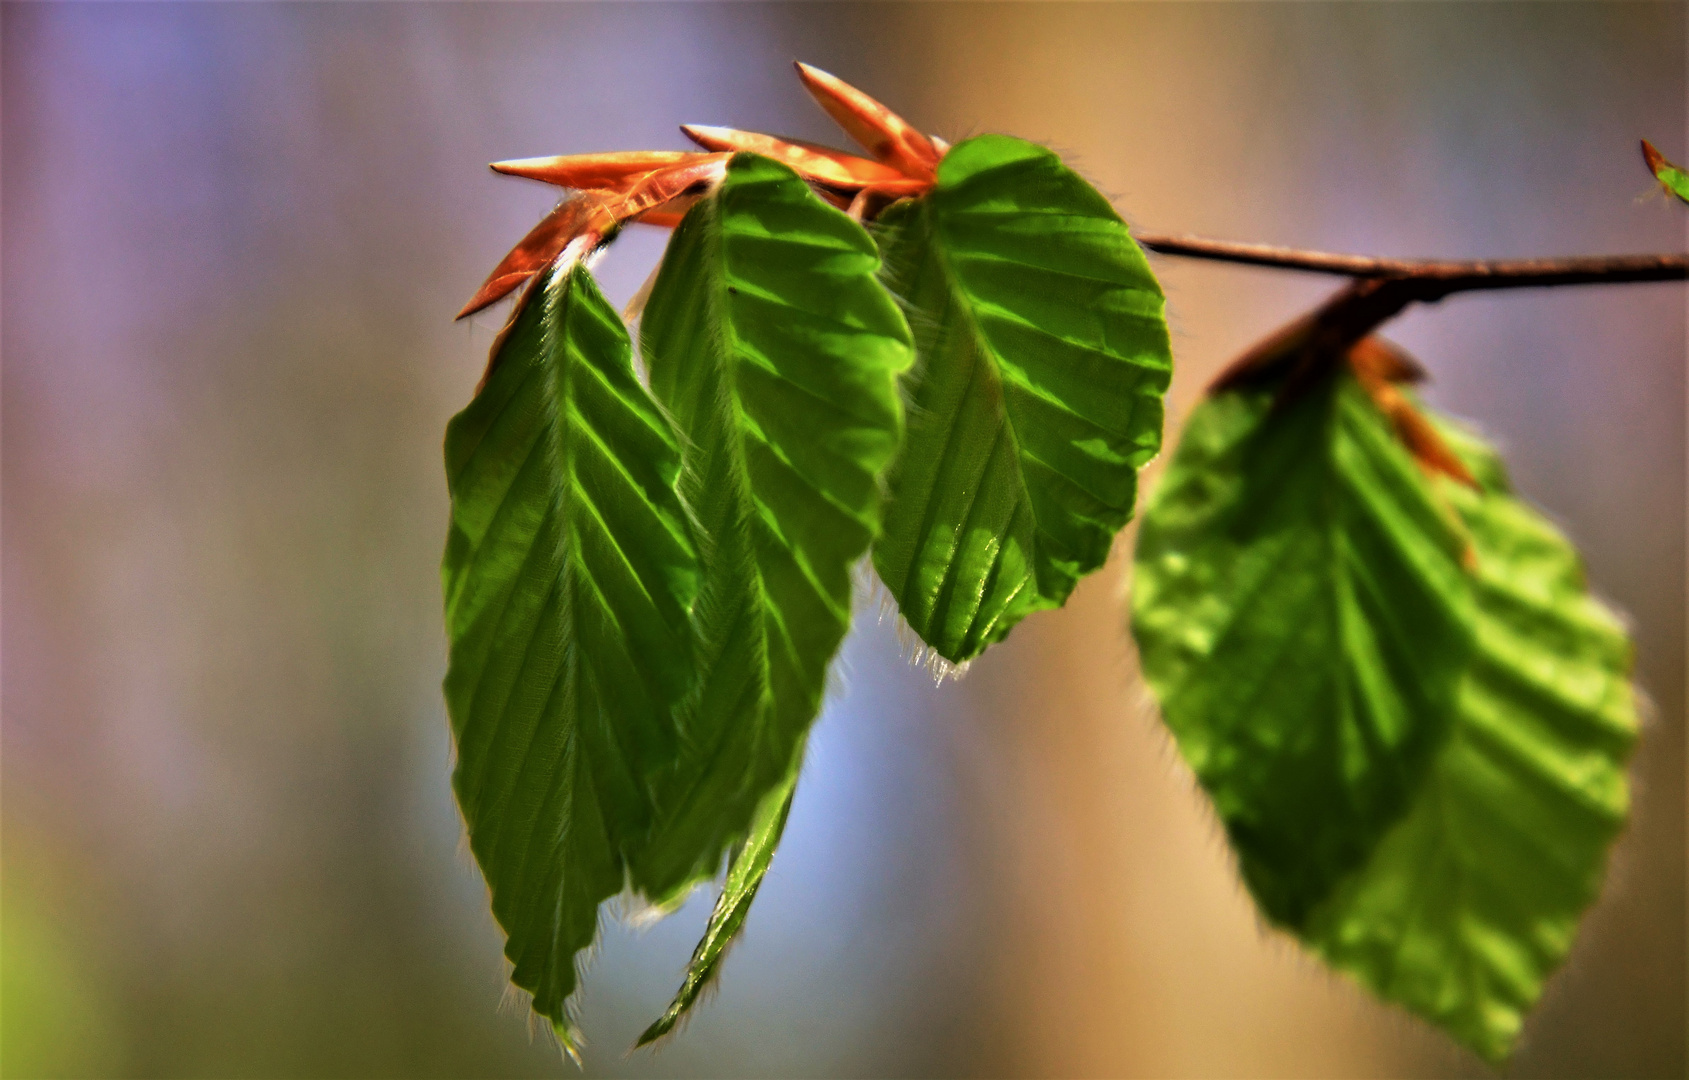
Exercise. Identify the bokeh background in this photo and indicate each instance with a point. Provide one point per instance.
(233, 238)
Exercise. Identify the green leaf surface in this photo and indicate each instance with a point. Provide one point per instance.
(770, 340)
(749, 866)
(1676, 181)
(1043, 358)
(1472, 900)
(569, 573)
(1303, 618)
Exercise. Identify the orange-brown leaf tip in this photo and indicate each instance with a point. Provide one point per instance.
(671, 190)
(579, 220)
(533, 168)
(492, 292)
(1385, 360)
(708, 136)
(1379, 366)
(817, 164)
(883, 133)
(1654, 159)
(1429, 448)
(613, 170)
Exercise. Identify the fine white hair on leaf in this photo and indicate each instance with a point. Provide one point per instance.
(918, 652)
(640, 912)
(704, 996)
(936, 664)
(636, 306)
(465, 854)
(591, 259)
(871, 593)
(836, 683)
(514, 998)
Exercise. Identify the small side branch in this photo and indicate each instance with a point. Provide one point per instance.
(1434, 279)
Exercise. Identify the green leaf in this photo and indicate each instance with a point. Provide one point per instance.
(777, 351)
(1303, 617)
(1673, 179)
(1043, 358)
(569, 573)
(1473, 899)
(744, 876)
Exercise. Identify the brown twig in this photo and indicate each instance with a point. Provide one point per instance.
(1434, 278)
(1382, 288)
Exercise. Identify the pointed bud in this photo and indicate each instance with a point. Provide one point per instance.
(883, 133)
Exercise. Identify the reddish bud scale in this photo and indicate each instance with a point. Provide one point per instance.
(657, 187)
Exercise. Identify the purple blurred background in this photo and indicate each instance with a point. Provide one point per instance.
(233, 238)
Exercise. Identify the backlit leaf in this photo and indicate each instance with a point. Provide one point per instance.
(770, 340)
(749, 866)
(1304, 619)
(1043, 357)
(569, 573)
(1472, 900)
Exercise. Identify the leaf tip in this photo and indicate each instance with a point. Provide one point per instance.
(1652, 157)
(523, 167)
(569, 1040)
(659, 1028)
(1671, 177)
(700, 134)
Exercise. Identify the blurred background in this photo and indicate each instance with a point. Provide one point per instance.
(234, 237)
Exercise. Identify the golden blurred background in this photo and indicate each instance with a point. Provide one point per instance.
(233, 239)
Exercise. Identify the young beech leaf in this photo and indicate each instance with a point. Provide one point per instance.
(1471, 901)
(772, 343)
(1302, 615)
(1671, 178)
(569, 573)
(748, 867)
(1042, 360)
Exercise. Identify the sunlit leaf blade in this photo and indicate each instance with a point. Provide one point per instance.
(769, 339)
(1472, 900)
(749, 866)
(1043, 358)
(1304, 620)
(568, 575)
(1672, 178)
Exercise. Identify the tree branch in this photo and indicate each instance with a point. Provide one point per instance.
(1433, 279)
(1381, 289)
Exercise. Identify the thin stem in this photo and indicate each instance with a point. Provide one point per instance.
(1434, 278)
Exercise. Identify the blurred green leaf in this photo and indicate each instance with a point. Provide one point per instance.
(60, 1007)
(1473, 899)
(1043, 357)
(1303, 618)
(749, 866)
(1672, 178)
(569, 574)
(770, 340)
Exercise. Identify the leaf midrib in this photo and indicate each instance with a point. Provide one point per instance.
(987, 360)
(728, 412)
